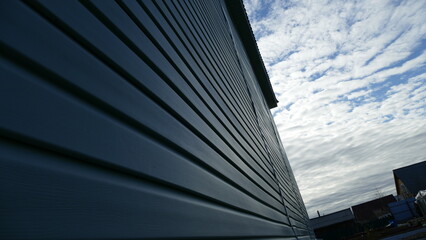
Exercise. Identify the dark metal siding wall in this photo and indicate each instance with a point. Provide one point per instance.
(276, 156)
(136, 120)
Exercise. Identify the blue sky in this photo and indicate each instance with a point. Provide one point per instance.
(350, 77)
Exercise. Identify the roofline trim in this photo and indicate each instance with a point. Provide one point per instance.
(242, 25)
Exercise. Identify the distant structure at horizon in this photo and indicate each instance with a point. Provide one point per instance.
(335, 225)
(409, 180)
(139, 120)
(376, 213)
(373, 210)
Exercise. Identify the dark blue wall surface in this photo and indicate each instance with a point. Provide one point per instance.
(403, 210)
(138, 120)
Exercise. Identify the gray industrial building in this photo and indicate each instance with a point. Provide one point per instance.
(139, 120)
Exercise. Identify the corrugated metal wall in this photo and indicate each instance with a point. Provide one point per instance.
(137, 119)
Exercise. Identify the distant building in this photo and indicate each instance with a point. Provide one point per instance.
(410, 180)
(373, 210)
(403, 210)
(335, 225)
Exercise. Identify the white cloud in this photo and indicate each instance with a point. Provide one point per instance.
(351, 83)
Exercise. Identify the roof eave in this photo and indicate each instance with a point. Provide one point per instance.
(242, 24)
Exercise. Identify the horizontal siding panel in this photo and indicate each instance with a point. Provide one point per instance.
(231, 88)
(269, 137)
(232, 140)
(198, 50)
(102, 140)
(103, 75)
(138, 119)
(81, 199)
(158, 60)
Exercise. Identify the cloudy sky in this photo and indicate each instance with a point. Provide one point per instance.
(350, 77)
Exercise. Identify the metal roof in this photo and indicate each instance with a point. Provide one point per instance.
(332, 218)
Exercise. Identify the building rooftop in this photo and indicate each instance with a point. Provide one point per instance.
(413, 177)
(332, 218)
(373, 209)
